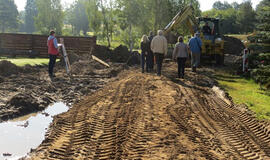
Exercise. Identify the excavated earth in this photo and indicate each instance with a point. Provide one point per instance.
(142, 116)
(28, 89)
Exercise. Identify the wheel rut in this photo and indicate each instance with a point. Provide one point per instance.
(141, 116)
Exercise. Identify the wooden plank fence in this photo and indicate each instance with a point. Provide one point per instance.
(25, 44)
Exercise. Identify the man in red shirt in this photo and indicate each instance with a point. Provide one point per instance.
(53, 52)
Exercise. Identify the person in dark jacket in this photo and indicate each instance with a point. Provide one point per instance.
(52, 51)
(151, 54)
(145, 47)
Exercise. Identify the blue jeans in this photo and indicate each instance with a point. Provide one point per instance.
(52, 63)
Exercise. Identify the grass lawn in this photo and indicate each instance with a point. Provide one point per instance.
(24, 61)
(245, 91)
(239, 36)
(114, 44)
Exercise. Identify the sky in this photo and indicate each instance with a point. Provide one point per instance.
(205, 4)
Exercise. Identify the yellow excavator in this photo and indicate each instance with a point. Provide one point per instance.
(212, 49)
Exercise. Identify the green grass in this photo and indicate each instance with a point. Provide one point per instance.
(242, 37)
(246, 91)
(114, 44)
(25, 61)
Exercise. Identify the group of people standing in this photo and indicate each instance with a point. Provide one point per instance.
(153, 48)
(156, 48)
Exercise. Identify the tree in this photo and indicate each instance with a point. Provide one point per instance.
(94, 15)
(130, 17)
(30, 14)
(21, 21)
(8, 15)
(221, 6)
(246, 17)
(78, 18)
(235, 5)
(50, 16)
(263, 18)
(228, 20)
(108, 19)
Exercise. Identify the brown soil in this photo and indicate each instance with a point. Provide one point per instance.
(120, 54)
(7, 68)
(233, 45)
(28, 89)
(142, 116)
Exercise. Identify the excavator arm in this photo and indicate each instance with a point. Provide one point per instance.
(186, 16)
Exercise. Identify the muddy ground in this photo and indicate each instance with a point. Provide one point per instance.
(142, 116)
(28, 89)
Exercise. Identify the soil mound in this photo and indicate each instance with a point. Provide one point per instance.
(134, 59)
(86, 67)
(24, 103)
(233, 45)
(72, 57)
(102, 52)
(7, 68)
(120, 54)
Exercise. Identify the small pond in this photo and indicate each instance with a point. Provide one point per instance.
(19, 136)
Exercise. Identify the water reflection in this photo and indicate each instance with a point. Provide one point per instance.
(18, 136)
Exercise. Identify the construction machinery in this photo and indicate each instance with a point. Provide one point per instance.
(213, 48)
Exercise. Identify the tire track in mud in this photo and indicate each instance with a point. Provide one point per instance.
(105, 134)
(147, 117)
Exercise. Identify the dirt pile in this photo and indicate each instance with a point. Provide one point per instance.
(102, 52)
(118, 55)
(86, 67)
(230, 59)
(134, 59)
(233, 45)
(72, 57)
(7, 68)
(24, 103)
(142, 116)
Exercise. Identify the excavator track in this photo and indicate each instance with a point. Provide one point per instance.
(141, 116)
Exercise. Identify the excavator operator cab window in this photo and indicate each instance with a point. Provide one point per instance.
(207, 28)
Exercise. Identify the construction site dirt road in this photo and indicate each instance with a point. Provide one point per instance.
(142, 116)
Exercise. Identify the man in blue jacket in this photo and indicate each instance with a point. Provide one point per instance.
(195, 46)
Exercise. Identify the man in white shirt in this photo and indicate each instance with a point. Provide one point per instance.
(159, 46)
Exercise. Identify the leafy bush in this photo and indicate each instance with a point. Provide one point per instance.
(260, 68)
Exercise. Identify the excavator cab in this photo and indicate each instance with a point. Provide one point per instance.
(213, 45)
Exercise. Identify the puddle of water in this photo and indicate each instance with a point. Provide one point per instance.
(18, 136)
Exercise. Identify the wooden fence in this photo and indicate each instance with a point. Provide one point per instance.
(23, 44)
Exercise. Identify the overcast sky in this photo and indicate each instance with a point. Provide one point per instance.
(205, 4)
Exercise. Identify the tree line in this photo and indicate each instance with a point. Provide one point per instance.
(116, 20)
(236, 18)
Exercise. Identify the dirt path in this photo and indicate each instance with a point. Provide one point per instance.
(141, 116)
